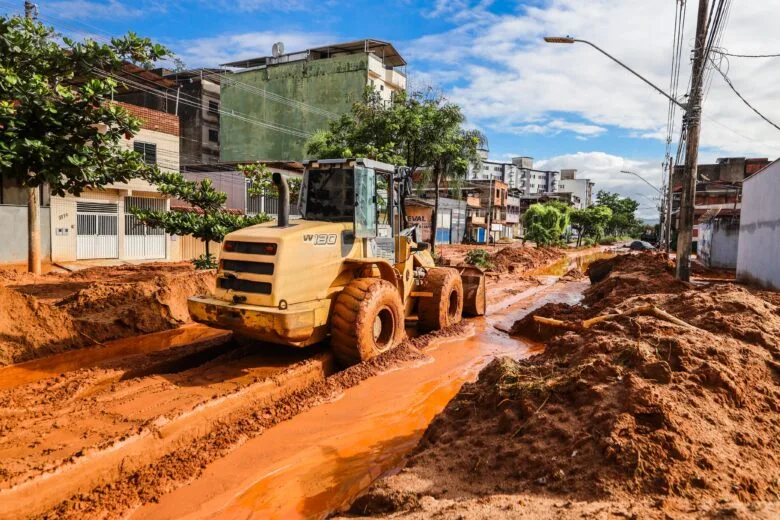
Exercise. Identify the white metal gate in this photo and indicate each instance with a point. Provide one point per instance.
(96, 230)
(143, 242)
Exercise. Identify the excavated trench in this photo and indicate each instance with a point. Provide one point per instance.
(319, 461)
(77, 421)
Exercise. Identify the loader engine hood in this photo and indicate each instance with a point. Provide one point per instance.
(271, 266)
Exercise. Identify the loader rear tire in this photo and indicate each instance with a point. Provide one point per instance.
(368, 319)
(445, 308)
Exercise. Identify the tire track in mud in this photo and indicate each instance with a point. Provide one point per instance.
(187, 462)
(216, 401)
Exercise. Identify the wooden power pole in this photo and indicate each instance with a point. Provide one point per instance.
(693, 119)
(33, 204)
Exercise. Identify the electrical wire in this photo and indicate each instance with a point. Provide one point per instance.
(733, 55)
(264, 124)
(740, 96)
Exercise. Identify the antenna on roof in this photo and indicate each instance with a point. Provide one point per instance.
(277, 50)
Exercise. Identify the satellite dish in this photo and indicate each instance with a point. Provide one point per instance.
(277, 50)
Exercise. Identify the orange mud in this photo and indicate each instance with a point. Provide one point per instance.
(320, 460)
(55, 312)
(103, 430)
(638, 416)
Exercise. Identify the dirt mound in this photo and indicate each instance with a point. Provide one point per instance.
(635, 408)
(56, 312)
(27, 326)
(632, 274)
(517, 258)
(572, 275)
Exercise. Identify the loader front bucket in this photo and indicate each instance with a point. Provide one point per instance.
(474, 293)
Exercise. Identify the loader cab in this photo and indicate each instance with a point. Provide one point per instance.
(360, 191)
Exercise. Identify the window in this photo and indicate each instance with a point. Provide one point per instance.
(381, 87)
(148, 151)
(214, 135)
(213, 107)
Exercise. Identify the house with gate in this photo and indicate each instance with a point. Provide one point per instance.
(98, 224)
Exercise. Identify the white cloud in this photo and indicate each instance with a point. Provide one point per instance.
(506, 76)
(214, 50)
(604, 169)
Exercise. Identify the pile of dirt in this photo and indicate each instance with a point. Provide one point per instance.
(27, 326)
(517, 258)
(636, 409)
(56, 312)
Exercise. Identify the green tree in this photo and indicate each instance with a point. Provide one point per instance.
(545, 224)
(590, 222)
(451, 154)
(418, 129)
(208, 220)
(261, 183)
(57, 125)
(623, 221)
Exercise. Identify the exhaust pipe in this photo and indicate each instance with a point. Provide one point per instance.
(283, 218)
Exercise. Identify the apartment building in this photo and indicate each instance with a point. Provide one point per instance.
(518, 174)
(580, 189)
(272, 105)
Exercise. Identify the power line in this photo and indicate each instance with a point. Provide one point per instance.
(724, 53)
(740, 96)
(241, 117)
(106, 38)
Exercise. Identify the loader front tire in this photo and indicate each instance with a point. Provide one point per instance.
(368, 319)
(445, 307)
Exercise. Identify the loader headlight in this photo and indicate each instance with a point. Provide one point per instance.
(283, 305)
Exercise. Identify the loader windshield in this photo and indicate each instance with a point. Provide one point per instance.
(330, 195)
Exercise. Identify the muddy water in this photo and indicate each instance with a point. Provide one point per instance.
(320, 460)
(15, 375)
(580, 261)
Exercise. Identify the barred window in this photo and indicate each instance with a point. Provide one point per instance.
(148, 151)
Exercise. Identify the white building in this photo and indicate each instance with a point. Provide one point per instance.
(519, 174)
(759, 229)
(98, 224)
(581, 189)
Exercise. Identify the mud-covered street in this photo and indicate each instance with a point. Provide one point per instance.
(148, 424)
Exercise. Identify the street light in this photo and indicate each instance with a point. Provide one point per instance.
(569, 40)
(646, 181)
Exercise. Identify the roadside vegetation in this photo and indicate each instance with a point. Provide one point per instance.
(479, 258)
(59, 127)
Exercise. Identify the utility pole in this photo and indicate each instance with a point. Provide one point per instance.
(33, 204)
(669, 195)
(693, 120)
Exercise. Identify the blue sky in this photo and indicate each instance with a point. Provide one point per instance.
(566, 106)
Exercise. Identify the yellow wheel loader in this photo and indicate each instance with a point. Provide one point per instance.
(345, 270)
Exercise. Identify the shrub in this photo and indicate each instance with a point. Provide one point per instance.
(479, 258)
(207, 261)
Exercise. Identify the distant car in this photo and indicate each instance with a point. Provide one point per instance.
(639, 245)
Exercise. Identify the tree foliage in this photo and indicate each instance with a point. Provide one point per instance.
(590, 222)
(261, 183)
(623, 221)
(57, 124)
(545, 223)
(420, 130)
(208, 220)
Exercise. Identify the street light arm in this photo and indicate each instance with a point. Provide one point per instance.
(645, 180)
(632, 71)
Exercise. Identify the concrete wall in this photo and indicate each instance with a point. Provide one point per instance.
(331, 84)
(13, 234)
(758, 260)
(719, 243)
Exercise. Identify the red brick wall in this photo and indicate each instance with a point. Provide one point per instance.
(153, 119)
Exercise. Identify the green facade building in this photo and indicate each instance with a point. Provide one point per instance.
(272, 105)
